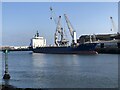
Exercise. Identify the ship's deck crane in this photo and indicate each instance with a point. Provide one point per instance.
(59, 30)
(72, 31)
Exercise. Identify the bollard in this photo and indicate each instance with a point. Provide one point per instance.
(6, 75)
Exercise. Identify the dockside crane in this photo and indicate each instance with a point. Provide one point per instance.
(71, 30)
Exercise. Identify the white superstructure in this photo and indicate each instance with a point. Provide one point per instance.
(38, 41)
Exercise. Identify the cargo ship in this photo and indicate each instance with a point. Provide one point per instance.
(80, 49)
(61, 44)
(38, 45)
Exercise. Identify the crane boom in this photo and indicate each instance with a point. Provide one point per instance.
(69, 25)
(58, 31)
(53, 16)
(72, 31)
(113, 25)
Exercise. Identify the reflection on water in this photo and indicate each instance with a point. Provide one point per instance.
(35, 70)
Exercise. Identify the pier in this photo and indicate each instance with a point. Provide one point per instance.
(19, 48)
(101, 49)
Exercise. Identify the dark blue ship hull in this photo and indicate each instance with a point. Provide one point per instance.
(88, 48)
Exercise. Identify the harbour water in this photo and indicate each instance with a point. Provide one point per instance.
(35, 70)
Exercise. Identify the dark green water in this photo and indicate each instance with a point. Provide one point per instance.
(31, 70)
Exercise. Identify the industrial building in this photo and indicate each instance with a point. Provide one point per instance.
(103, 40)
